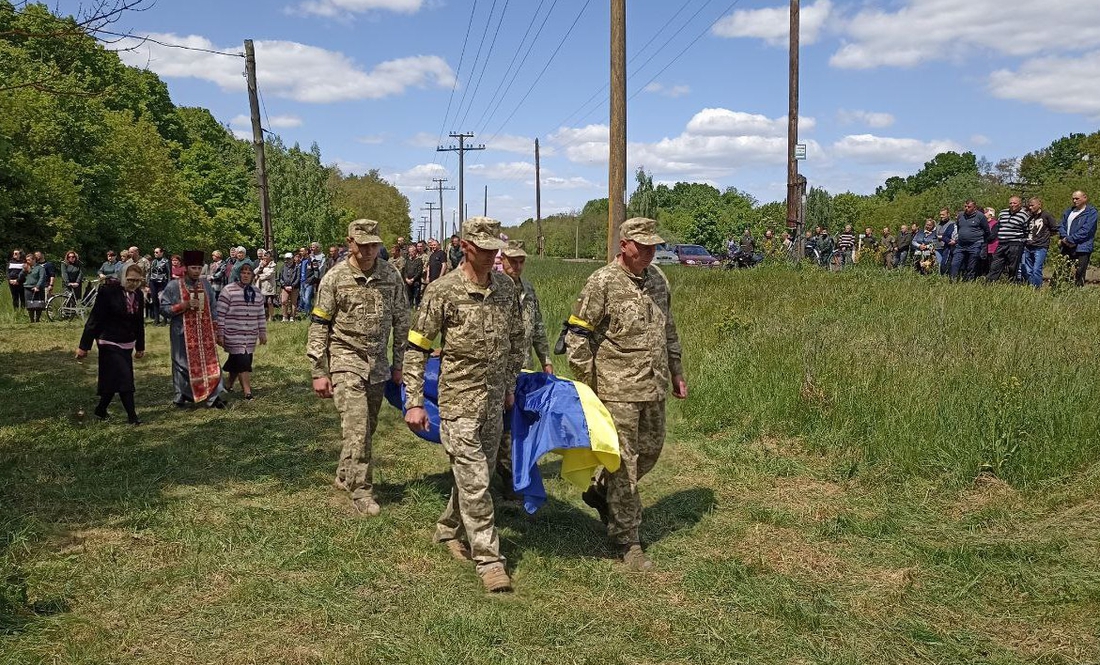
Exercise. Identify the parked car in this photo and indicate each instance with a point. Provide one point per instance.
(695, 255)
(665, 256)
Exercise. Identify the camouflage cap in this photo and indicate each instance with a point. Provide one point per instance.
(364, 231)
(641, 230)
(514, 250)
(483, 232)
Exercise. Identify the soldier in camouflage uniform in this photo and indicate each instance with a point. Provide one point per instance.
(622, 342)
(475, 313)
(359, 301)
(534, 333)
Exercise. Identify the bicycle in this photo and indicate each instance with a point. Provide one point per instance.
(66, 306)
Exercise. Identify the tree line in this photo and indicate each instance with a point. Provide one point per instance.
(95, 155)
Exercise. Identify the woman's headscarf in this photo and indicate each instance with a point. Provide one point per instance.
(249, 290)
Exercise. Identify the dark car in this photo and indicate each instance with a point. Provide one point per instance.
(694, 255)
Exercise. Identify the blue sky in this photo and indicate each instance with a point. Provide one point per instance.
(886, 84)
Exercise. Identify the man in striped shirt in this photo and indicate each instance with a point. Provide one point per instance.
(1012, 228)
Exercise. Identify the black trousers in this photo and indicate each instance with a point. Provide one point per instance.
(1082, 259)
(1006, 260)
(154, 299)
(18, 297)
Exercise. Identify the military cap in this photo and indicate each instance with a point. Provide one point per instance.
(193, 257)
(641, 230)
(364, 231)
(483, 232)
(514, 250)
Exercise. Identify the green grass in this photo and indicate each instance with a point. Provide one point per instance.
(815, 503)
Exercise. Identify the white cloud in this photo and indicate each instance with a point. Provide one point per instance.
(502, 170)
(773, 24)
(413, 181)
(672, 91)
(869, 118)
(871, 149)
(921, 30)
(288, 69)
(521, 144)
(348, 167)
(724, 122)
(575, 182)
(1066, 85)
(273, 122)
(423, 140)
(980, 139)
(714, 144)
(338, 8)
(371, 139)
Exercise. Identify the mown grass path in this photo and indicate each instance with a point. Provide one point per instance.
(816, 501)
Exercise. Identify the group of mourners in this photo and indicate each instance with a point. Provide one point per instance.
(200, 318)
(977, 243)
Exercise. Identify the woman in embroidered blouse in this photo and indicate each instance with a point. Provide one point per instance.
(117, 324)
(240, 325)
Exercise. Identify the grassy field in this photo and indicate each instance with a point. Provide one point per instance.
(818, 500)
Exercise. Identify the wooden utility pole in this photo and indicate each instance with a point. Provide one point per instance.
(439, 186)
(485, 210)
(431, 210)
(795, 183)
(538, 199)
(461, 149)
(258, 143)
(616, 167)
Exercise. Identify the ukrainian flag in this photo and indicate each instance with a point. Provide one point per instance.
(551, 415)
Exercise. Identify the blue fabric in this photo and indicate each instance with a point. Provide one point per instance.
(548, 416)
(1084, 228)
(395, 395)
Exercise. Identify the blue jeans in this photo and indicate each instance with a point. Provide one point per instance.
(1031, 266)
(305, 299)
(943, 259)
(965, 260)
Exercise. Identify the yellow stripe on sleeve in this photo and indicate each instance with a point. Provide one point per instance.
(420, 341)
(574, 321)
(321, 314)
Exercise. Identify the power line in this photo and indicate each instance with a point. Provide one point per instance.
(500, 97)
(147, 38)
(469, 24)
(485, 64)
(477, 57)
(544, 68)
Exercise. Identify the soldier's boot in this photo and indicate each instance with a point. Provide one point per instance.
(339, 484)
(496, 579)
(367, 506)
(635, 559)
(459, 550)
(596, 500)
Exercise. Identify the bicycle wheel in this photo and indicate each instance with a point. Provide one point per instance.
(53, 307)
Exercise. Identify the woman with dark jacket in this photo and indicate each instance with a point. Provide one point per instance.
(34, 288)
(15, 276)
(117, 324)
(72, 275)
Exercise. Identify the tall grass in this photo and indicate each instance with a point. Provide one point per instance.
(905, 374)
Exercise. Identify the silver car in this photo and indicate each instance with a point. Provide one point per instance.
(665, 256)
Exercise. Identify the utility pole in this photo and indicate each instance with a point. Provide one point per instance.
(616, 167)
(439, 186)
(431, 209)
(538, 199)
(461, 149)
(454, 221)
(486, 209)
(258, 143)
(796, 184)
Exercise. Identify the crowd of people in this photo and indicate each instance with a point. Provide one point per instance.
(976, 243)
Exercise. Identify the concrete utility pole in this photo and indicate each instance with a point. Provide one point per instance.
(538, 199)
(439, 186)
(485, 211)
(431, 209)
(461, 149)
(796, 184)
(616, 166)
(258, 143)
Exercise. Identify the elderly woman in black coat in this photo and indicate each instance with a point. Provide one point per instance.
(117, 324)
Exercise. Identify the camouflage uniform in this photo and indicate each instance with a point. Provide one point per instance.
(481, 336)
(348, 336)
(534, 334)
(623, 343)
